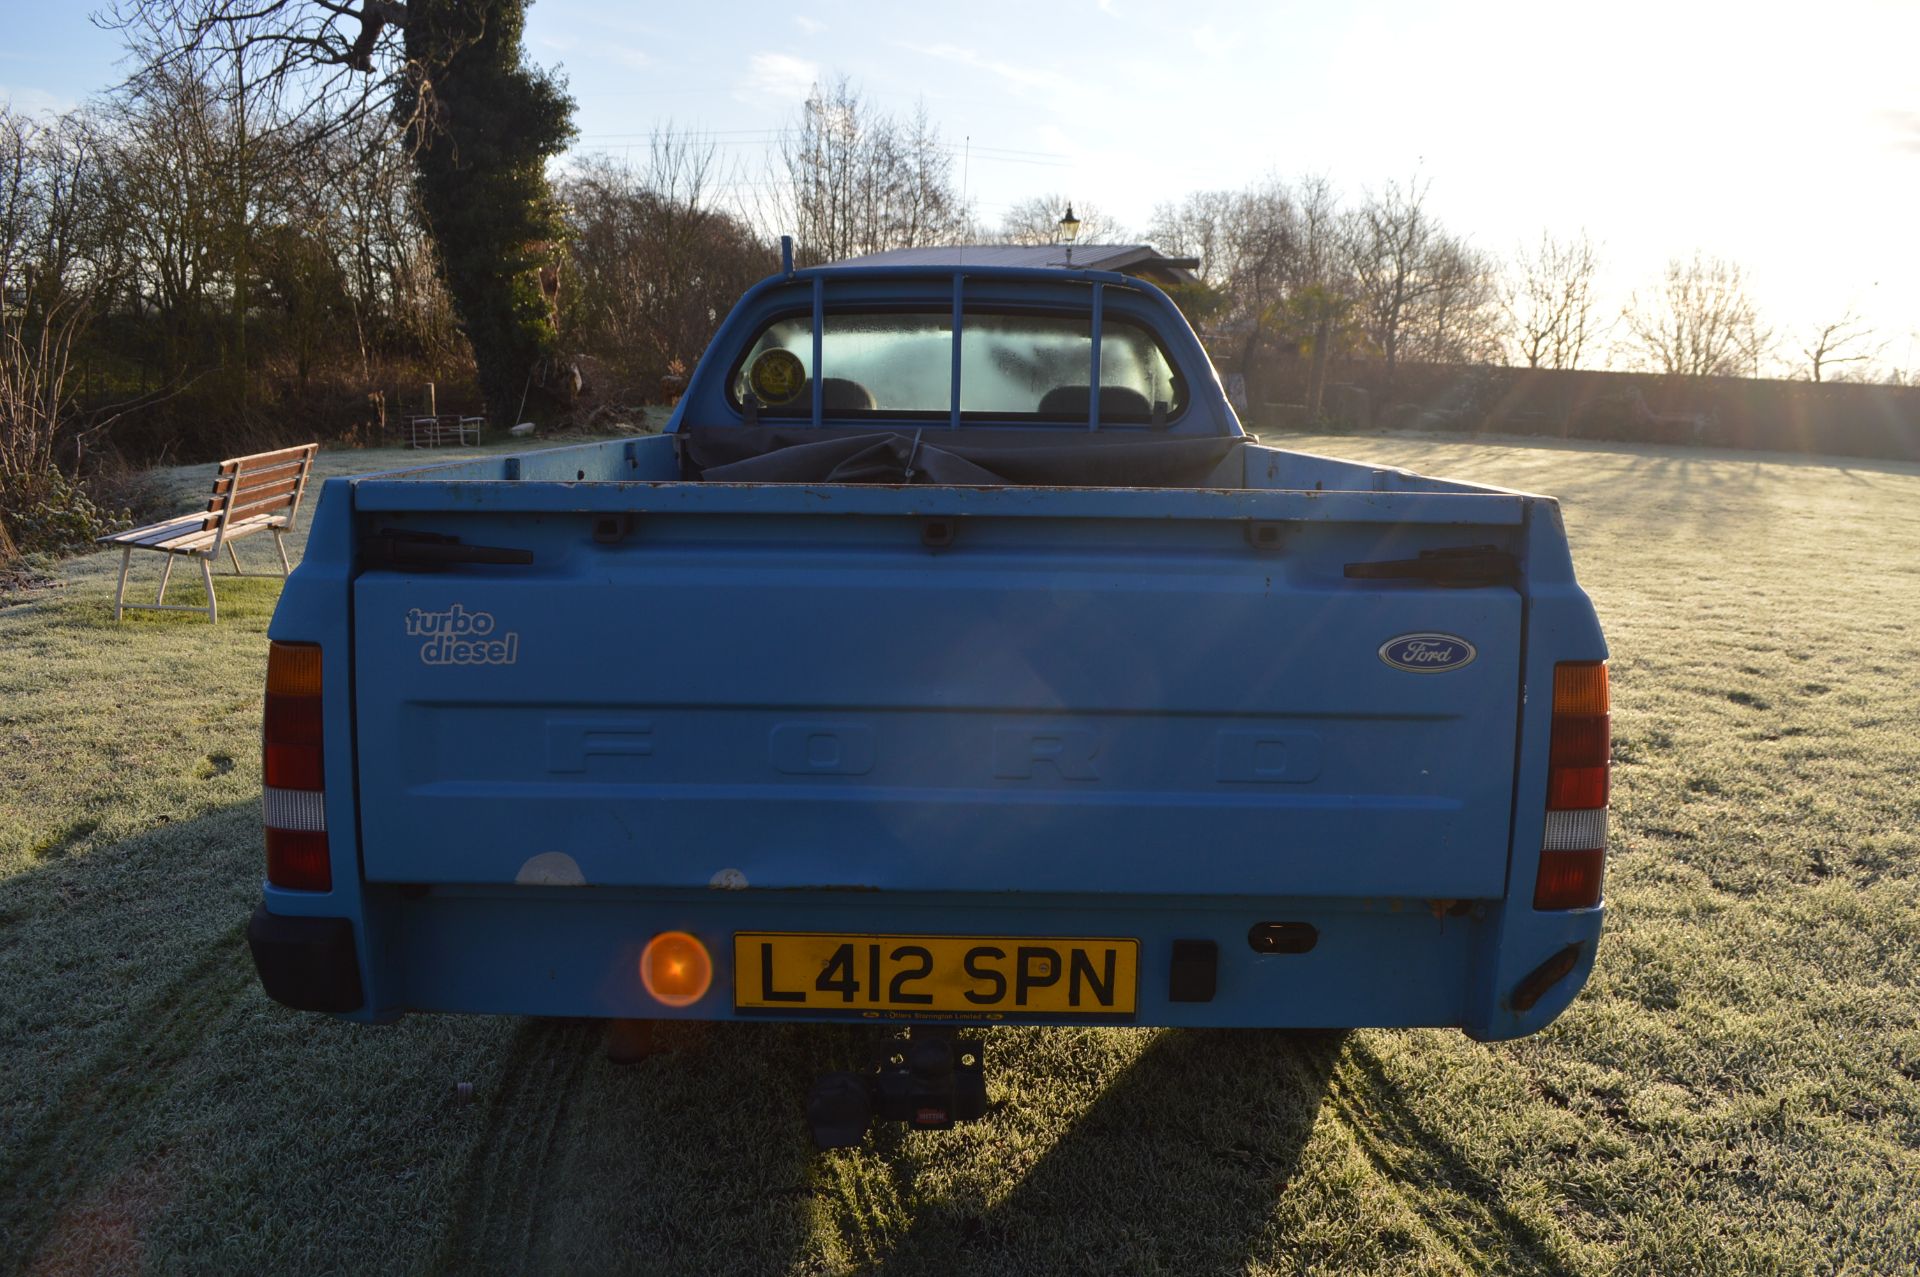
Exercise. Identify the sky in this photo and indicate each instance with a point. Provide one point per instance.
(1784, 137)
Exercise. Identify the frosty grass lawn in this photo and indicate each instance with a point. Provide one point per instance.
(1737, 1091)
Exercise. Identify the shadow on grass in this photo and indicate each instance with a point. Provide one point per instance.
(696, 1162)
(119, 964)
(1176, 1167)
(692, 1161)
(1462, 1207)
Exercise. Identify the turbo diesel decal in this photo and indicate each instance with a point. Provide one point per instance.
(459, 637)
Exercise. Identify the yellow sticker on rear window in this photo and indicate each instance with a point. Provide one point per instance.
(777, 376)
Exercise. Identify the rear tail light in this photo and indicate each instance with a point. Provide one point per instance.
(1573, 850)
(294, 775)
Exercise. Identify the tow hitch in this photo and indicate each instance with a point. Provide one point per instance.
(929, 1080)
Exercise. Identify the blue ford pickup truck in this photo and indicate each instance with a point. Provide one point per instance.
(952, 659)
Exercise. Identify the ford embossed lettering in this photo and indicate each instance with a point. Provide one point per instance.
(1427, 653)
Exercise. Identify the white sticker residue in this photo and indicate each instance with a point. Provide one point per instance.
(551, 869)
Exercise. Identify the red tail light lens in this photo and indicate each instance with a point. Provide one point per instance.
(1570, 879)
(1577, 764)
(1573, 850)
(299, 859)
(291, 727)
(294, 773)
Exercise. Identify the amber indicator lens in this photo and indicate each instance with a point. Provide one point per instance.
(293, 669)
(676, 969)
(1580, 687)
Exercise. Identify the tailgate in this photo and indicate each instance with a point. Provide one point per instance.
(1085, 691)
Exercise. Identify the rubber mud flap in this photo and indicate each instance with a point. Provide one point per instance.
(308, 964)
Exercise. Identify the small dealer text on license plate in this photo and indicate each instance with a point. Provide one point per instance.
(936, 976)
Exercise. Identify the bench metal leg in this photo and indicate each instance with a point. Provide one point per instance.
(235, 556)
(280, 544)
(206, 574)
(165, 577)
(120, 591)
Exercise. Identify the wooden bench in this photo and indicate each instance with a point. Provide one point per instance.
(253, 494)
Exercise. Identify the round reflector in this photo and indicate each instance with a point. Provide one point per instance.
(676, 969)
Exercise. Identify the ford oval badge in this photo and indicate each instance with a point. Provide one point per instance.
(1427, 653)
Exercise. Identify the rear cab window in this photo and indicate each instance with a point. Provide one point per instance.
(1027, 367)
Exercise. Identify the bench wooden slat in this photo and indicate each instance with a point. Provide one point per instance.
(240, 527)
(152, 531)
(204, 540)
(249, 496)
(270, 486)
(247, 509)
(160, 538)
(258, 459)
(253, 500)
(251, 477)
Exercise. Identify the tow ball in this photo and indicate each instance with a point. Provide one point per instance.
(929, 1080)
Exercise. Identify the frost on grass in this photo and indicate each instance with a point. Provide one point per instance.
(1736, 1091)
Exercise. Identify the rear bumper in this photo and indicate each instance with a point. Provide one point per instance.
(308, 964)
(561, 951)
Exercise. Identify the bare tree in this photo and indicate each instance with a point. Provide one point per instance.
(51, 235)
(1548, 299)
(1196, 227)
(1275, 270)
(1847, 340)
(655, 264)
(480, 123)
(856, 181)
(347, 59)
(1411, 277)
(170, 151)
(36, 366)
(1321, 304)
(19, 139)
(365, 210)
(932, 209)
(1698, 321)
(1037, 221)
(1456, 318)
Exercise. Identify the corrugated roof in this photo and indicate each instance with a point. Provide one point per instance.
(1113, 257)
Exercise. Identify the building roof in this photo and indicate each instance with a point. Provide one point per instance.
(1140, 260)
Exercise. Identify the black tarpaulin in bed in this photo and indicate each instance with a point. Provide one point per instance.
(1052, 458)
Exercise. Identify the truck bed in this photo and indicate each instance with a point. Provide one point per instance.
(1073, 689)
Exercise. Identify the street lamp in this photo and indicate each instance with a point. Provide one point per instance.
(1069, 231)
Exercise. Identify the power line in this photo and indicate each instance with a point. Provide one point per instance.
(767, 137)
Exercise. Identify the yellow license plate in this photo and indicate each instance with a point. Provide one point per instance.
(948, 977)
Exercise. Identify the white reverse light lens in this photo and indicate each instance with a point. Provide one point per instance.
(303, 810)
(1575, 830)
